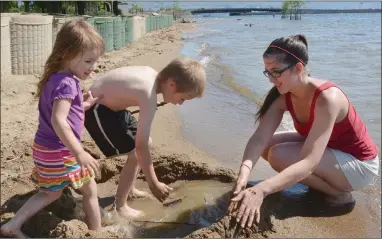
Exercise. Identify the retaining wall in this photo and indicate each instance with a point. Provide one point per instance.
(28, 39)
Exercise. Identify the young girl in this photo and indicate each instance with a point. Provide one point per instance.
(331, 150)
(60, 160)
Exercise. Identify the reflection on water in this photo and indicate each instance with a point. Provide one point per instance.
(194, 194)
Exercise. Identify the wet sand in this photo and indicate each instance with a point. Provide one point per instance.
(296, 212)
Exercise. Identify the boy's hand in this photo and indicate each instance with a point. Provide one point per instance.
(160, 190)
(85, 160)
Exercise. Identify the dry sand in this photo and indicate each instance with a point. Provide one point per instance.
(174, 159)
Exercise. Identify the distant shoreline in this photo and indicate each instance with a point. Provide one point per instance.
(310, 11)
(271, 11)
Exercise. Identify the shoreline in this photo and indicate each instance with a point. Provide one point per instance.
(155, 49)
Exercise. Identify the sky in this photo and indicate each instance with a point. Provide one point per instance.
(154, 5)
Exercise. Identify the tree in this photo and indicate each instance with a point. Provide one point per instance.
(54, 7)
(26, 6)
(285, 9)
(81, 6)
(136, 8)
(11, 6)
(176, 10)
(292, 7)
(116, 10)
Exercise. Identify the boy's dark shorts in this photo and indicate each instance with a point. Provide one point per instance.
(113, 131)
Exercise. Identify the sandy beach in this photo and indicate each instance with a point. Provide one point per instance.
(175, 159)
(19, 124)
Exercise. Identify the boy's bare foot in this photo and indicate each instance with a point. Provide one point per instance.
(8, 231)
(135, 193)
(341, 200)
(129, 213)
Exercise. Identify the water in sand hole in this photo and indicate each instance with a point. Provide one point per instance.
(202, 203)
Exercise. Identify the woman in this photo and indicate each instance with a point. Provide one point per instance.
(331, 151)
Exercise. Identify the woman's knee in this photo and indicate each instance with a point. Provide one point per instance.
(265, 153)
(281, 156)
(279, 138)
(274, 157)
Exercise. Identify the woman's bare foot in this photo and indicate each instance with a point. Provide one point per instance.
(8, 231)
(340, 200)
(135, 193)
(129, 213)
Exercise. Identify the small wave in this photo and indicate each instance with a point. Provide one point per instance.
(203, 48)
(287, 123)
(205, 60)
(218, 31)
(205, 34)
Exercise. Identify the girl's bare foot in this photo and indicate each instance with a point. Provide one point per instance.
(129, 213)
(9, 231)
(340, 200)
(135, 193)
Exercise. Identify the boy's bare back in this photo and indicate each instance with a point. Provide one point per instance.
(127, 86)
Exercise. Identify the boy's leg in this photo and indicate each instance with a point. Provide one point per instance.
(134, 192)
(114, 133)
(126, 183)
(36, 203)
(91, 205)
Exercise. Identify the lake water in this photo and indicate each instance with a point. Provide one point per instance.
(343, 48)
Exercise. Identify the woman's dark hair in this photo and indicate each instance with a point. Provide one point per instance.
(288, 50)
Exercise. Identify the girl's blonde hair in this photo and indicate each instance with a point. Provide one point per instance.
(75, 37)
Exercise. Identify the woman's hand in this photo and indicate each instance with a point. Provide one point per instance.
(240, 185)
(242, 180)
(251, 200)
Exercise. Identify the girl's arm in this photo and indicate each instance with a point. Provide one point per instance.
(325, 113)
(62, 97)
(60, 125)
(63, 130)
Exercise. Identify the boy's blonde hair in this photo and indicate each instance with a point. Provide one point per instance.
(188, 74)
(74, 38)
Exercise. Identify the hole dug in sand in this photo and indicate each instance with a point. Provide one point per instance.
(200, 193)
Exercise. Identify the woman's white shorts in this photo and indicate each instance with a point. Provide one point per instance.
(358, 173)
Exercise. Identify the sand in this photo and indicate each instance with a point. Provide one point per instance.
(174, 158)
(294, 213)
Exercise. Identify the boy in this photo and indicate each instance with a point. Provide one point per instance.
(117, 132)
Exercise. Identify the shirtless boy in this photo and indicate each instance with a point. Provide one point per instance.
(117, 132)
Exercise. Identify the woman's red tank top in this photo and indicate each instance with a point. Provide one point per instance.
(349, 135)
